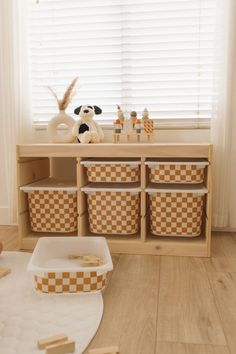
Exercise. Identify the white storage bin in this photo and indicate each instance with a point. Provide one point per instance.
(182, 171)
(113, 209)
(119, 171)
(176, 211)
(54, 272)
(52, 205)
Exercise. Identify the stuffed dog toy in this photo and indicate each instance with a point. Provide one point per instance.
(86, 129)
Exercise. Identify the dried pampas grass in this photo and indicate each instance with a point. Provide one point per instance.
(64, 102)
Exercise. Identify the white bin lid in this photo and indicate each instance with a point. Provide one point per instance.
(88, 163)
(183, 161)
(51, 254)
(50, 184)
(173, 188)
(112, 187)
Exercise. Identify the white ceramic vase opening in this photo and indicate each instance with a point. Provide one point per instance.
(53, 133)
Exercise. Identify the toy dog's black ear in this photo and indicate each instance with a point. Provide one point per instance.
(97, 110)
(77, 110)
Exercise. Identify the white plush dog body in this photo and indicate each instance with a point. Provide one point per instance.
(86, 129)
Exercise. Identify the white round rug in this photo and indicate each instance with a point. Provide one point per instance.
(27, 315)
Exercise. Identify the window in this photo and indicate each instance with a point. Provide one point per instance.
(157, 54)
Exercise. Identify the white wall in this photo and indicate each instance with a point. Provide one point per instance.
(4, 210)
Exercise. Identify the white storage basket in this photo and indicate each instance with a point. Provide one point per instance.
(112, 171)
(54, 272)
(169, 171)
(113, 210)
(52, 205)
(176, 211)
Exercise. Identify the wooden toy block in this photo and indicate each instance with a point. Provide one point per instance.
(107, 350)
(61, 348)
(85, 257)
(43, 343)
(4, 271)
(91, 258)
(90, 263)
(75, 256)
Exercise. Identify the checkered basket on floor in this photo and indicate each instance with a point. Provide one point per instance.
(70, 282)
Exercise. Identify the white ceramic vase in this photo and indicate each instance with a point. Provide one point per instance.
(53, 134)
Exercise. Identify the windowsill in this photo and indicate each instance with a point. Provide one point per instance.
(161, 124)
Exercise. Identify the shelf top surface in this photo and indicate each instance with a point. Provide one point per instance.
(115, 150)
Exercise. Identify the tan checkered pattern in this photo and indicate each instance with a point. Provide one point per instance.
(177, 174)
(148, 125)
(53, 211)
(176, 214)
(114, 212)
(113, 173)
(65, 282)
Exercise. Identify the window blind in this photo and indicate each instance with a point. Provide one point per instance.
(157, 54)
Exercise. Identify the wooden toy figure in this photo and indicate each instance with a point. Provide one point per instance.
(128, 128)
(138, 126)
(133, 117)
(120, 114)
(145, 114)
(117, 126)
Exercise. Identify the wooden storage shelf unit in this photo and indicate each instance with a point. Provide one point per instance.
(34, 163)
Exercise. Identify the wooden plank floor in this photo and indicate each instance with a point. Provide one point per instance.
(168, 305)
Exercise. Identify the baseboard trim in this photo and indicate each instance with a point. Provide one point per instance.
(224, 229)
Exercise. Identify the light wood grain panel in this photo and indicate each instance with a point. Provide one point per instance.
(137, 271)
(22, 202)
(209, 203)
(9, 238)
(223, 253)
(82, 179)
(115, 261)
(143, 173)
(115, 150)
(81, 202)
(162, 248)
(83, 226)
(181, 348)
(143, 228)
(24, 227)
(32, 171)
(223, 244)
(129, 319)
(187, 311)
(144, 203)
(220, 264)
(224, 290)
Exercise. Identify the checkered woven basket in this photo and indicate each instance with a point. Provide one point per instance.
(65, 282)
(113, 212)
(176, 173)
(113, 173)
(53, 211)
(176, 214)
